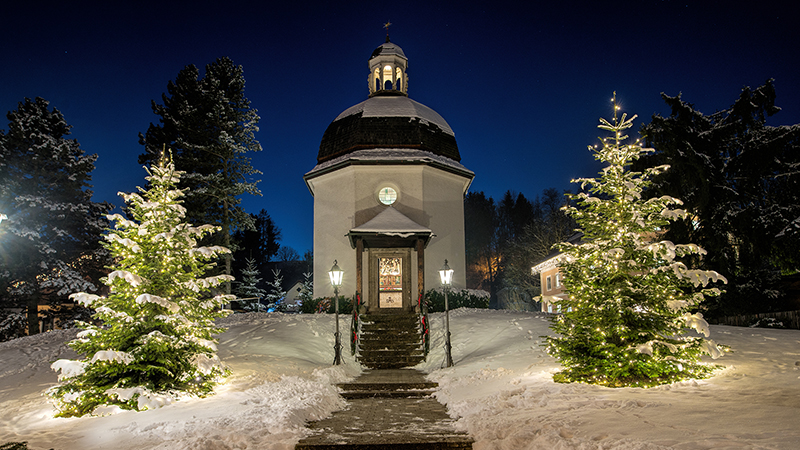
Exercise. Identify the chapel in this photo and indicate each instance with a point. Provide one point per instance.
(388, 190)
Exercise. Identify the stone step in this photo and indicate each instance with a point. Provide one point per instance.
(389, 353)
(387, 386)
(453, 443)
(404, 344)
(387, 340)
(392, 363)
(411, 393)
(389, 327)
(396, 318)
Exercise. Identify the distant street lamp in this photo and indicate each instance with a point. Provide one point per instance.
(446, 274)
(336, 281)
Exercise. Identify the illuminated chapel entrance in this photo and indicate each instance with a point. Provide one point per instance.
(390, 261)
(390, 281)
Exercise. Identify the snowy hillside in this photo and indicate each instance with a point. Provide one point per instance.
(500, 386)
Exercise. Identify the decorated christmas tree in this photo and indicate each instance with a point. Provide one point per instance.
(628, 317)
(248, 291)
(152, 339)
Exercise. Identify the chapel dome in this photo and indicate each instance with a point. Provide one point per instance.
(388, 119)
(388, 122)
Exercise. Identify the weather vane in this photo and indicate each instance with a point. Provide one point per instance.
(387, 25)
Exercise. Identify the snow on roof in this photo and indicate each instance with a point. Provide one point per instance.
(393, 155)
(396, 106)
(388, 48)
(391, 222)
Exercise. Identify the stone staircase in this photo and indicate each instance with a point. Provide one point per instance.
(387, 410)
(390, 341)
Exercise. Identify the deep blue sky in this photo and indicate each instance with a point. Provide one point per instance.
(522, 86)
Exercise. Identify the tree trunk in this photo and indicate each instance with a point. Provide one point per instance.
(226, 238)
(33, 315)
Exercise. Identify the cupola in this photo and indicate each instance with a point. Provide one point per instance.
(387, 70)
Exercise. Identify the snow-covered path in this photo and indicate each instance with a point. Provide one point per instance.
(500, 386)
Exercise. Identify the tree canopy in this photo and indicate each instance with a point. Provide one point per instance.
(51, 235)
(210, 127)
(739, 179)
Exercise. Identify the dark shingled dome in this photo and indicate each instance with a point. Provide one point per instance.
(388, 122)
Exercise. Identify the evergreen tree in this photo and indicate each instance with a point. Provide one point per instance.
(739, 180)
(549, 226)
(155, 337)
(210, 125)
(630, 296)
(307, 288)
(51, 236)
(248, 288)
(276, 293)
(481, 241)
(261, 243)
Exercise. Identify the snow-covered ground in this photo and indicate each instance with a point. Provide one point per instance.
(501, 387)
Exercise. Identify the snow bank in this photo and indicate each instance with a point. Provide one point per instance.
(501, 388)
(282, 378)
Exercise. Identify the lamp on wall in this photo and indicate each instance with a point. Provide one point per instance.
(446, 275)
(336, 275)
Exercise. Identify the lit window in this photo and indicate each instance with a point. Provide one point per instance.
(387, 195)
(558, 280)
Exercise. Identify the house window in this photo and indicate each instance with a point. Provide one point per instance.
(549, 284)
(558, 280)
(549, 307)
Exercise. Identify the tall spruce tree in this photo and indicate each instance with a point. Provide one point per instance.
(51, 235)
(152, 338)
(630, 295)
(210, 127)
(739, 180)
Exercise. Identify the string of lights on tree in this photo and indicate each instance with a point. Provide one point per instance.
(152, 338)
(628, 317)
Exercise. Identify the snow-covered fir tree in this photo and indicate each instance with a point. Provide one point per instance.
(154, 337)
(51, 237)
(628, 315)
(210, 125)
(276, 293)
(307, 288)
(248, 291)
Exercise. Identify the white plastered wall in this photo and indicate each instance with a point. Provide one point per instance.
(346, 198)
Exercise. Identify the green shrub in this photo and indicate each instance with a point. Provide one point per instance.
(455, 299)
(326, 305)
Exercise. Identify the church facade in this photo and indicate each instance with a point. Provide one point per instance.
(388, 192)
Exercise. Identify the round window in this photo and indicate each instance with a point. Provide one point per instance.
(387, 195)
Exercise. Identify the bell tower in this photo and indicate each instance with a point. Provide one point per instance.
(387, 70)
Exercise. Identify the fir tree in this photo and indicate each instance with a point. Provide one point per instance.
(630, 295)
(155, 338)
(248, 288)
(210, 125)
(739, 181)
(52, 233)
(276, 294)
(307, 288)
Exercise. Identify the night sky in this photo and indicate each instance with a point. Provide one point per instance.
(522, 86)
